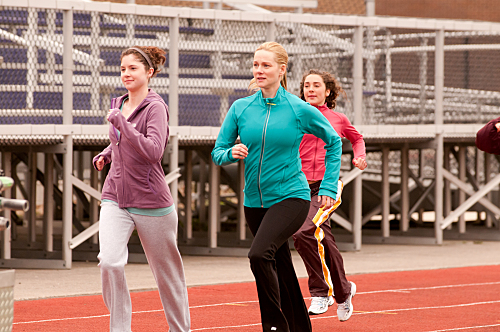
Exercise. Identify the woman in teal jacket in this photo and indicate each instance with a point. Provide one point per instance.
(271, 124)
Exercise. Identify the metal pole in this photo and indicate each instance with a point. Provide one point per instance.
(214, 204)
(67, 213)
(438, 116)
(388, 71)
(94, 203)
(6, 234)
(357, 213)
(462, 167)
(241, 210)
(385, 192)
(31, 73)
(95, 70)
(202, 192)
(48, 202)
(173, 96)
(32, 197)
(405, 193)
(423, 80)
(487, 177)
(447, 186)
(188, 159)
(357, 218)
(271, 31)
(358, 76)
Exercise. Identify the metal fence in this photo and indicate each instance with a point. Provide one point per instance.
(215, 57)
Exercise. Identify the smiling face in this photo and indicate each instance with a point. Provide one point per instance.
(315, 91)
(266, 71)
(133, 73)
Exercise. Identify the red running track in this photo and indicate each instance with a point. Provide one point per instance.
(459, 299)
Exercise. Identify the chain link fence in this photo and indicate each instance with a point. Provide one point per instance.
(215, 61)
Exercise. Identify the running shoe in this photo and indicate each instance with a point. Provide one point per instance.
(319, 305)
(344, 310)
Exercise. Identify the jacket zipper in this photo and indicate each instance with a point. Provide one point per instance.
(262, 152)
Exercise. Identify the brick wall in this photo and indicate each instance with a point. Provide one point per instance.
(484, 10)
(354, 7)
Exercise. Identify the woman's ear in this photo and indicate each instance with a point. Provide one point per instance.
(327, 92)
(282, 70)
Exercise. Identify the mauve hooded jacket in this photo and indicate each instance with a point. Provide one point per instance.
(136, 178)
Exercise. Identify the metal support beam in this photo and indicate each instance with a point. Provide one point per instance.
(173, 72)
(188, 181)
(405, 194)
(241, 195)
(463, 187)
(422, 197)
(48, 202)
(438, 121)
(6, 234)
(447, 186)
(94, 203)
(67, 213)
(271, 31)
(214, 204)
(471, 201)
(357, 216)
(357, 85)
(487, 177)
(32, 197)
(462, 167)
(202, 192)
(385, 192)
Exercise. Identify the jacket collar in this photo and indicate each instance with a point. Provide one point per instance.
(323, 108)
(275, 100)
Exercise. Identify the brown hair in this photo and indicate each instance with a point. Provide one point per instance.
(155, 54)
(280, 56)
(330, 83)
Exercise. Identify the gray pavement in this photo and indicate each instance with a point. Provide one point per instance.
(84, 278)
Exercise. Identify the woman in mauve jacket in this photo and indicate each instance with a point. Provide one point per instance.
(271, 124)
(314, 240)
(136, 195)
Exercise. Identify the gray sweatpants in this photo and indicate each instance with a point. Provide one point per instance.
(159, 239)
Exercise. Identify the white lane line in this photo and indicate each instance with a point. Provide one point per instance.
(242, 302)
(467, 328)
(371, 312)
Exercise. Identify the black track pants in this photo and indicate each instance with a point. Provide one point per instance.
(282, 306)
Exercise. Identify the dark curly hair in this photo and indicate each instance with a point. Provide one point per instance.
(156, 55)
(330, 84)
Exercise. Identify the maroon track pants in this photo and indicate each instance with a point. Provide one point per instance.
(316, 245)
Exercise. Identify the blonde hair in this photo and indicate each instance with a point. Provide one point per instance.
(280, 56)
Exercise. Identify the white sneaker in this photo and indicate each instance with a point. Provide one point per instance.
(331, 301)
(319, 305)
(344, 310)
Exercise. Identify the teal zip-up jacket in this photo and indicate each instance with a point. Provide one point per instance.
(272, 129)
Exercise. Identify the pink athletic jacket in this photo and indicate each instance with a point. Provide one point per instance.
(312, 150)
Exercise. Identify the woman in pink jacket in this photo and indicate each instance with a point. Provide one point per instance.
(314, 240)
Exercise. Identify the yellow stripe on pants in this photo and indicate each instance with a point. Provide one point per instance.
(320, 217)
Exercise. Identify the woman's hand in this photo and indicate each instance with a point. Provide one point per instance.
(360, 163)
(239, 151)
(109, 114)
(99, 164)
(326, 202)
(498, 127)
